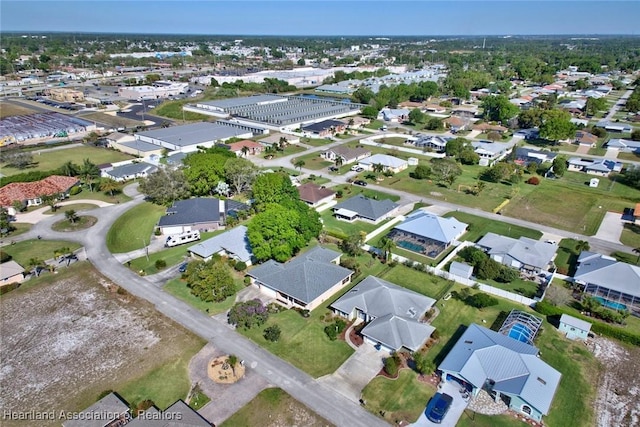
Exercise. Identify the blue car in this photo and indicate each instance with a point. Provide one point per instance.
(438, 407)
(183, 267)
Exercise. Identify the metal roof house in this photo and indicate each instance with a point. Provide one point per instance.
(461, 269)
(130, 171)
(200, 213)
(305, 281)
(574, 328)
(614, 284)
(233, 243)
(365, 209)
(507, 369)
(601, 167)
(426, 233)
(523, 253)
(393, 313)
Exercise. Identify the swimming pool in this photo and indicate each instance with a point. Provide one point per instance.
(411, 246)
(611, 304)
(520, 332)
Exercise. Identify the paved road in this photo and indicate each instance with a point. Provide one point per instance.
(618, 104)
(274, 370)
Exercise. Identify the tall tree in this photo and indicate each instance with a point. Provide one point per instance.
(299, 164)
(445, 171)
(69, 169)
(89, 172)
(498, 108)
(271, 188)
(165, 186)
(109, 186)
(387, 245)
(210, 281)
(556, 125)
(71, 215)
(205, 169)
(240, 173)
(559, 165)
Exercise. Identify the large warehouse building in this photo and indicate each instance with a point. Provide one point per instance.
(188, 138)
(276, 112)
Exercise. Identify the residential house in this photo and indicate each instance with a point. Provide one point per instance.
(624, 145)
(359, 122)
(527, 134)
(574, 328)
(523, 254)
(233, 243)
(614, 127)
(465, 111)
(245, 148)
(456, 124)
(11, 272)
(614, 284)
(487, 127)
(524, 156)
(426, 233)
(115, 138)
(365, 209)
(577, 105)
(177, 415)
(325, 128)
(129, 171)
(276, 137)
(314, 195)
(509, 370)
(347, 154)
(395, 115)
(108, 411)
(200, 213)
(600, 167)
(430, 142)
(435, 108)
(491, 152)
(393, 314)
(31, 193)
(389, 163)
(586, 139)
(306, 281)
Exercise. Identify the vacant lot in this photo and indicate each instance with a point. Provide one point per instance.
(49, 160)
(43, 250)
(75, 336)
(479, 226)
(111, 120)
(8, 109)
(273, 407)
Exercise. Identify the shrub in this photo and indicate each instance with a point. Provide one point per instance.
(240, 266)
(472, 255)
(247, 280)
(232, 262)
(157, 232)
(481, 300)
(391, 366)
(534, 180)
(272, 333)
(160, 264)
(4, 257)
(331, 332)
(340, 325)
(488, 269)
(305, 313)
(75, 190)
(351, 264)
(248, 314)
(507, 275)
(421, 172)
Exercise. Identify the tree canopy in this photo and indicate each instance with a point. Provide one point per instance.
(211, 281)
(556, 125)
(165, 186)
(498, 108)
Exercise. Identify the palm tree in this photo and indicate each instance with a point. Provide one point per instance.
(637, 251)
(50, 200)
(36, 266)
(109, 186)
(71, 215)
(89, 172)
(245, 151)
(378, 168)
(299, 164)
(282, 142)
(339, 161)
(582, 245)
(232, 360)
(387, 245)
(69, 169)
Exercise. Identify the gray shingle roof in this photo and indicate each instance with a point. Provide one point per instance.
(234, 241)
(367, 208)
(397, 311)
(350, 153)
(192, 211)
(608, 273)
(385, 160)
(432, 226)
(305, 277)
(481, 354)
(177, 415)
(575, 322)
(131, 169)
(525, 250)
(110, 404)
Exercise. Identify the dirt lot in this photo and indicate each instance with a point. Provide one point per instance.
(66, 341)
(618, 400)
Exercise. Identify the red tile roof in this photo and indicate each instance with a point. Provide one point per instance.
(21, 191)
(252, 145)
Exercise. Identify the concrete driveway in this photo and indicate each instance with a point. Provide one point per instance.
(356, 372)
(611, 227)
(455, 411)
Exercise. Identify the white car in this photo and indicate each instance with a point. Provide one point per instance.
(552, 242)
(355, 168)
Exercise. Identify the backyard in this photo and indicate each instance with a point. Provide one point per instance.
(424, 283)
(53, 159)
(338, 228)
(479, 226)
(134, 228)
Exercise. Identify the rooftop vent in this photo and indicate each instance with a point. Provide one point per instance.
(542, 381)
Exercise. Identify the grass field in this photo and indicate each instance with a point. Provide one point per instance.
(50, 160)
(111, 120)
(273, 407)
(8, 109)
(78, 207)
(566, 256)
(173, 110)
(630, 235)
(137, 224)
(178, 288)
(401, 399)
(424, 283)
(314, 161)
(479, 226)
(349, 191)
(315, 142)
(20, 227)
(22, 252)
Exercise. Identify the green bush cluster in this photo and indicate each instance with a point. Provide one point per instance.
(160, 264)
(272, 333)
(335, 329)
(392, 364)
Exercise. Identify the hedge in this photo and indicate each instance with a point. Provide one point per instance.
(596, 326)
(27, 177)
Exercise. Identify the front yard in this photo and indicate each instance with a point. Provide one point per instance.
(133, 229)
(178, 288)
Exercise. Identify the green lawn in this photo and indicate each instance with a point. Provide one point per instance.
(634, 157)
(401, 399)
(303, 342)
(165, 384)
(472, 419)
(99, 195)
(274, 407)
(172, 256)
(199, 400)
(566, 256)
(178, 288)
(50, 160)
(173, 110)
(315, 142)
(20, 227)
(338, 228)
(313, 161)
(418, 281)
(374, 124)
(630, 235)
(22, 252)
(349, 190)
(479, 226)
(78, 207)
(135, 226)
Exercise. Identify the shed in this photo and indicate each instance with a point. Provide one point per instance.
(412, 161)
(594, 182)
(574, 328)
(461, 269)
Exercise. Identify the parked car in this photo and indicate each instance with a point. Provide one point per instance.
(355, 168)
(438, 407)
(183, 267)
(360, 183)
(333, 169)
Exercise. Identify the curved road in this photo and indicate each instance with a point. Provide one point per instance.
(319, 398)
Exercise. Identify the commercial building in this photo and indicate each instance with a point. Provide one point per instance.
(159, 90)
(188, 138)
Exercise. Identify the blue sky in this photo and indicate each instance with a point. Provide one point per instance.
(329, 17)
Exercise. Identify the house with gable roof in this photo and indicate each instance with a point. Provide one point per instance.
(393, 314)
(305, 281)
(347, 154)
(365, 209)
(509, 370)
(233, 243)
(523, 254)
